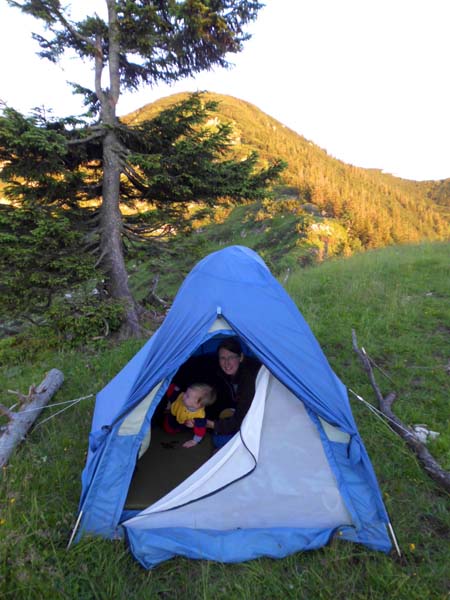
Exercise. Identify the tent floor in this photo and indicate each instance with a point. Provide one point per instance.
(164, 466)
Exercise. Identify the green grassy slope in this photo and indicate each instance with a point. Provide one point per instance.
(397, 300)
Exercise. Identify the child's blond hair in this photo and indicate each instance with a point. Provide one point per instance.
(208, 393)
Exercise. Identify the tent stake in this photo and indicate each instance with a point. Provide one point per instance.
(74, 530)
(394, 539)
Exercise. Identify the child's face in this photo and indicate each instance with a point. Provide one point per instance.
(192, 399)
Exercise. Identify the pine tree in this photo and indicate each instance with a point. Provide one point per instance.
(139, 42)
(51, 231)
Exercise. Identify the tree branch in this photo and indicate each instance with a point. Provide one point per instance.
(4, 410)
(428, 462)
(98, 70)
(68, 25)
(90, 138)
(153, 292)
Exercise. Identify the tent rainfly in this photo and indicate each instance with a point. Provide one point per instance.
(295, 476)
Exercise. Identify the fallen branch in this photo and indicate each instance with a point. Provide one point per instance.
(29, 409)
(101, 337)
(152, 292)
(429, 463)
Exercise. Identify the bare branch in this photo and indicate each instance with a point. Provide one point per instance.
(4, 410)
(154, 295)
(90, 138)
(429, 463)
(105, 335)
(21, 396)
(100, 258)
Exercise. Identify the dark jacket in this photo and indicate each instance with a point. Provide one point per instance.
(237, 393)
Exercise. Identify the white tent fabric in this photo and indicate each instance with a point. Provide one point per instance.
(263, 478)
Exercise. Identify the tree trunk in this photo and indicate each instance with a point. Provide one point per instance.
(110, 216)
(20, 422)
(111, 236)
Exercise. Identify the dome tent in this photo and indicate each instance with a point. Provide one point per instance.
(294, 476)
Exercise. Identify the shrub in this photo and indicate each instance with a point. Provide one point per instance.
(81, 319)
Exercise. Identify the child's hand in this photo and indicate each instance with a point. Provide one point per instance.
(189, 423)
(189, 444)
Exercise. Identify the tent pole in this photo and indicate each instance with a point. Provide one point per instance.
(74, 530)
(394, 539)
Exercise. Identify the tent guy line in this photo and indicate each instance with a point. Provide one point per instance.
(383, 418)
(70, 404)
(75, 401)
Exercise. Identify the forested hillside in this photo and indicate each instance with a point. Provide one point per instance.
(376, 209)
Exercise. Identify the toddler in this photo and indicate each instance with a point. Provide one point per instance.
(188, 412)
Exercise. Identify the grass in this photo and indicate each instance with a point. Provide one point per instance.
(397, 300)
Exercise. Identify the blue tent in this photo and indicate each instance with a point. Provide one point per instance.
(294, 477)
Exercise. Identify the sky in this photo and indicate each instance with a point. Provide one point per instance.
(366, 80)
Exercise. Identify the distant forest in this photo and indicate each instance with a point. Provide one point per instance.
(375, 208)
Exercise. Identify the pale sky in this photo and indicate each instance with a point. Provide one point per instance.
(367, 80)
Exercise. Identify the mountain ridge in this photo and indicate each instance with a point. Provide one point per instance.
(376, 207)
(172, 98)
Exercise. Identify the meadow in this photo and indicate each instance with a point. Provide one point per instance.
(397, 301)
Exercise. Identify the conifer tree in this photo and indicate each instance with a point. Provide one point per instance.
(138, 42)
(49, 231)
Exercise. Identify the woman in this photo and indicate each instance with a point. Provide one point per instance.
(236, 388)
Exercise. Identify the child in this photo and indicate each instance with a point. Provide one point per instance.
(188, 411)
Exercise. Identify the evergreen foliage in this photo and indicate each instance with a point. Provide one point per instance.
(176, 159)
(39, 254)
(49, 232)
(136, 43)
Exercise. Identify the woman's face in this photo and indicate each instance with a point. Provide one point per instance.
(229, 361)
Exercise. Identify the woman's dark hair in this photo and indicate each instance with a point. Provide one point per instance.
(231, 344)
